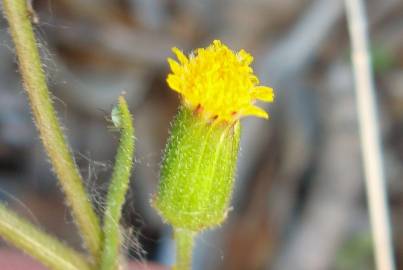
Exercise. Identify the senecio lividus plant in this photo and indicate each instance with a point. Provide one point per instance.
(217, 88)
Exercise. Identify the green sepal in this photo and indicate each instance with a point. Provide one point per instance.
(197, 171)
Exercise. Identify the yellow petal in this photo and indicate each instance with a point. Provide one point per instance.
(263, 93)
(217, 43)
(175, 67)
(181, 57)
(245, 57)
(174, 82)
(256, 111)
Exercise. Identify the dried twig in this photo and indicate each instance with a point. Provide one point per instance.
(371, 146)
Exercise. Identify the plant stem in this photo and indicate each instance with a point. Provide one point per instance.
(38, 244)
(118, 188)
(184, 247)
(370, 138)
(47, 123)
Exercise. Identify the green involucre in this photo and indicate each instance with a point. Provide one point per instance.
(197, 172)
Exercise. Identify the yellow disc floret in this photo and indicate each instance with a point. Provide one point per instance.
(218, 83)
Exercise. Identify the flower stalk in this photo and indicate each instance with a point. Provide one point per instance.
(48, 125)
(184, 246)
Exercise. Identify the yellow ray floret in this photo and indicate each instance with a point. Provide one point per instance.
(218, 83)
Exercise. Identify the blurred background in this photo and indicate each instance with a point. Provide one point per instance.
(299, 201)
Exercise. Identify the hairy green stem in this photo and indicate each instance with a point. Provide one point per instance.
(184, 246)
(118, 187)
(47, 123)
(38, 244)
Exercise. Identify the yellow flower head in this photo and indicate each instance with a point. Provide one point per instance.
(218, 83)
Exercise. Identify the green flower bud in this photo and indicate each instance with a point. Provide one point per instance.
(197, 173)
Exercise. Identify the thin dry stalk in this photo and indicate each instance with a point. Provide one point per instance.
(370, 138)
